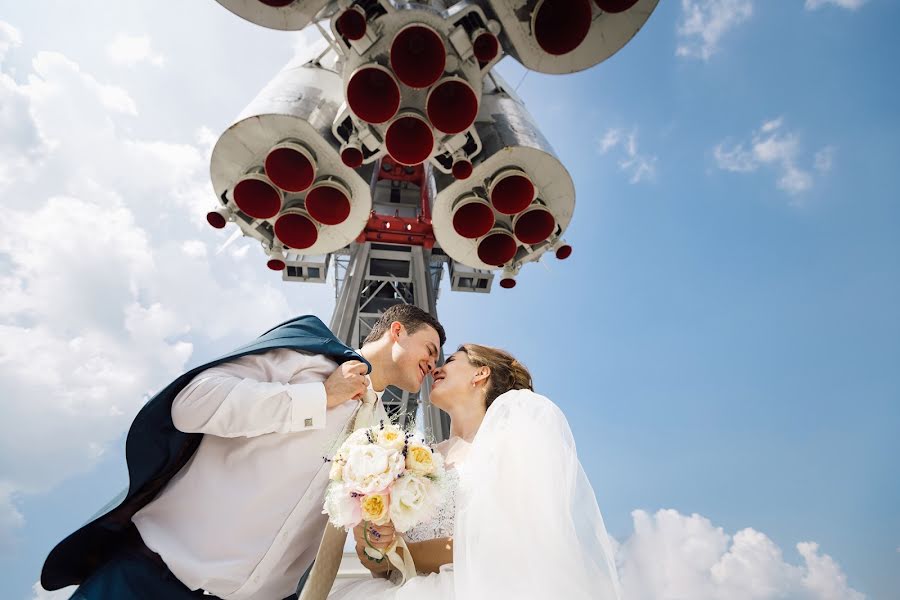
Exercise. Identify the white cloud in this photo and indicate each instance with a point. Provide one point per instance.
(53, 72)
(771, 146)
(42, 594)
(848, 4)
(130, 50)
(10, 37)
(705, 22)
(639, 167)
(106, 284)
(671, 556)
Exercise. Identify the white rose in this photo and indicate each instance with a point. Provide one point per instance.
(360, 437)
(341, 507)
(372, 468)
(413, 499)
(391, 437)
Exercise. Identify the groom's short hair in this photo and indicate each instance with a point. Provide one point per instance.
(411, 317)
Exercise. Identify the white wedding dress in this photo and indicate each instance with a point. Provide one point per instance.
(523, 517)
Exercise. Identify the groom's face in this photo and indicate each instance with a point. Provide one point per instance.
(414, 355)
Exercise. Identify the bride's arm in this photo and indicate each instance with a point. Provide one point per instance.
(429, 555)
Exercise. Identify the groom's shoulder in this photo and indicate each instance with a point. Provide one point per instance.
(303, 325)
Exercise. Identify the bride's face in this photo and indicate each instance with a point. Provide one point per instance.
(453, 381)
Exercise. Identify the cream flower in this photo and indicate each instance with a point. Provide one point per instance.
(391, 437)
(420, 459)
(375, 508)
(337, 470)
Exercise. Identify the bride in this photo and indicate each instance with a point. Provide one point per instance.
(520, 519)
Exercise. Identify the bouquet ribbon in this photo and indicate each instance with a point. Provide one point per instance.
(403, 563)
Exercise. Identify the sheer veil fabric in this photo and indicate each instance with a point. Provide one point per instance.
(527, 521)
(527, 524)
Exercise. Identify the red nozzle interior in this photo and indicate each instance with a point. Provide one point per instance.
(512, 194)
(373, 95)
(296, 231)
(561, 25)
(486, 46)
(257, 199)
(352, 23)
(409, 140)
(473, 220)
(535, 226)
(452, 106)
(290, 169)
(328, 205)
(215, 219)
(462, 169)
(497, 249)
(418, 56)
(352, 156)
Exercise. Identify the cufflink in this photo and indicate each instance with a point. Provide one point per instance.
(308, 422)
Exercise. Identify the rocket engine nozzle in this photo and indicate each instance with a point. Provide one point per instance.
(534, 225)
(290, 166)
(497, 248)
(560, 26)
(511, 191)
(328, 203)
(452, 106)
(352, 23)
(473, 218)
(373, 94)
(296, 229)
(409, 139)
(256, 197)
(418, 56)
(485, 45)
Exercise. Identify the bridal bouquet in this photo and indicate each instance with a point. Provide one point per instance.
(381, 474)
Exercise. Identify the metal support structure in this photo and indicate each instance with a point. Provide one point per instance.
(371, 279)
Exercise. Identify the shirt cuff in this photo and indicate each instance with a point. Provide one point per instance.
(308, 405)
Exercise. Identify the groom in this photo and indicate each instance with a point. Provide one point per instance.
(227, 470)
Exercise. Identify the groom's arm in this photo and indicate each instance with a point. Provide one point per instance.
(252, 396)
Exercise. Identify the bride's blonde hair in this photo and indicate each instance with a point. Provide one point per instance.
(507, 373)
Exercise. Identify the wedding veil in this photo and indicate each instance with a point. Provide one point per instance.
(528, 524)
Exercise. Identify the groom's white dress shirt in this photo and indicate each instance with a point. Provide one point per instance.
(243, 518)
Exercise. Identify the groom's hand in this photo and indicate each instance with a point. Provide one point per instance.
(348, 382)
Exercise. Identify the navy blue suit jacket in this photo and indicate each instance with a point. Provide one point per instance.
(155, 451)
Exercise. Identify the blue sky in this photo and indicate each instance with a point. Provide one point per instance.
(724, 339)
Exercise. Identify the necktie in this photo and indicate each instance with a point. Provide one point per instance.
(331, 549)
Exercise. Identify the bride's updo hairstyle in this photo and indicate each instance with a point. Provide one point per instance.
(507, 373)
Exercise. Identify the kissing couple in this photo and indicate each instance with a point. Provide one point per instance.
(228, 473)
